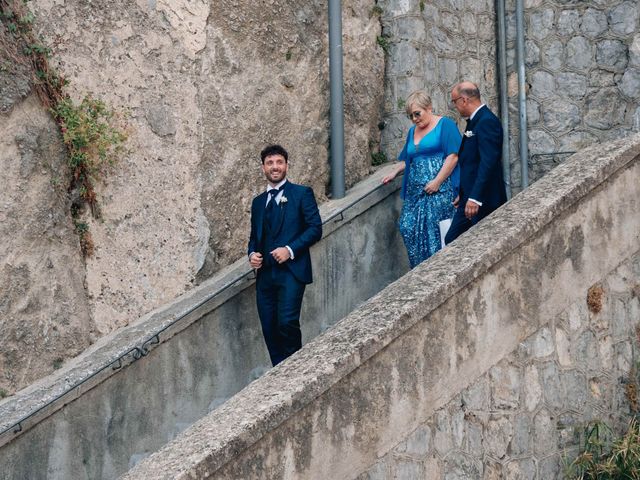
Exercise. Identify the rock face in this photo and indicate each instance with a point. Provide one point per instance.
(206, 86)
(44, 313)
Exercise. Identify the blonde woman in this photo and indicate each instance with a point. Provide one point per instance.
(431, 177)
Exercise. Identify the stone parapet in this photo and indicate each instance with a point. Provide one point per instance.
(505, 290)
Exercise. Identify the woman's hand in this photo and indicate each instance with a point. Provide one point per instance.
(398, 170)
(390, 177)
(432, 187)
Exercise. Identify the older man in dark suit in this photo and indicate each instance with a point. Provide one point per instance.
(285, 222)
(480, 160)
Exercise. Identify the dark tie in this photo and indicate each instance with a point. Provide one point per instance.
(273, 193)
(271, 205)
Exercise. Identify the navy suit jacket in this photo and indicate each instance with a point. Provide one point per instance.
(298, 225)
(480, 160)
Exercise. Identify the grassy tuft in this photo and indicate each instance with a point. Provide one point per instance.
(602, 457)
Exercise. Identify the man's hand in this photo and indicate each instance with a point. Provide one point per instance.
(456, 201)
(471, 209)
(432, 187)
(255, 260)
(281, 254)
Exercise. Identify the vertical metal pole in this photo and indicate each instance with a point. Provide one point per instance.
(337, 108)
(504, 96)
(522, 96)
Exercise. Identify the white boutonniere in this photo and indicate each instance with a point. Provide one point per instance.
(283, 199)
(469, 133)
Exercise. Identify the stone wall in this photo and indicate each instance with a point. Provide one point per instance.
(496, 320)
(434, 44)
(583, 77)
(205, 84)
(127, 405)
(526, 416)
(582, 70)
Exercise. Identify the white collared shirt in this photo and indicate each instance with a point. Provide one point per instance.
(476, 111)
(279, 196)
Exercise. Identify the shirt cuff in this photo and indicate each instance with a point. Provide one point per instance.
(475, 201)
(290, 251)
(251, 254)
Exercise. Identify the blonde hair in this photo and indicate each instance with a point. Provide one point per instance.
(420, 99)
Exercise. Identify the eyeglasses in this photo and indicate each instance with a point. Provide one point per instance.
(455, 100)
(415, 115)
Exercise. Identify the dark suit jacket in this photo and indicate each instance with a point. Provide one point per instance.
(299, 226)
(480, 160)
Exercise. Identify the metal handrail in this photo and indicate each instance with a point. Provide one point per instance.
(143, 349)
(553, 154)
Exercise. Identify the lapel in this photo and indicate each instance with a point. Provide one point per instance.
(262, 200)
(477, 117)
(282, 208)
(470, 126)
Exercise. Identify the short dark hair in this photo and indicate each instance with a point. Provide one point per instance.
(274, 150)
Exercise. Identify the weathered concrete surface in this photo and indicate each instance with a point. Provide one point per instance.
(44, 316)
(354, 393)
(119, 416)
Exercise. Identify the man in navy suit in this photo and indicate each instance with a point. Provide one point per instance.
(480, 159)
(285, 222)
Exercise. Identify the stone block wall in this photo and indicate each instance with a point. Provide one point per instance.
(583, 76)
(524, 418)
(432, 45)
(582, 70)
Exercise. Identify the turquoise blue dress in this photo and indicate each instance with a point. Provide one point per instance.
(421, 213)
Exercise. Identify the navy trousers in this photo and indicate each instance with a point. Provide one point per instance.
(279, 299)
(461, 224)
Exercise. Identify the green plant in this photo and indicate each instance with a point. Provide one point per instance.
(288, 55)
(376, 11)
(3, 393)
(86, 239)
(401, 103)
(603, 458)
(57, 363)
(19, 44)
(421, 5)
(378, 158)
(383, 42)
(93, 139)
